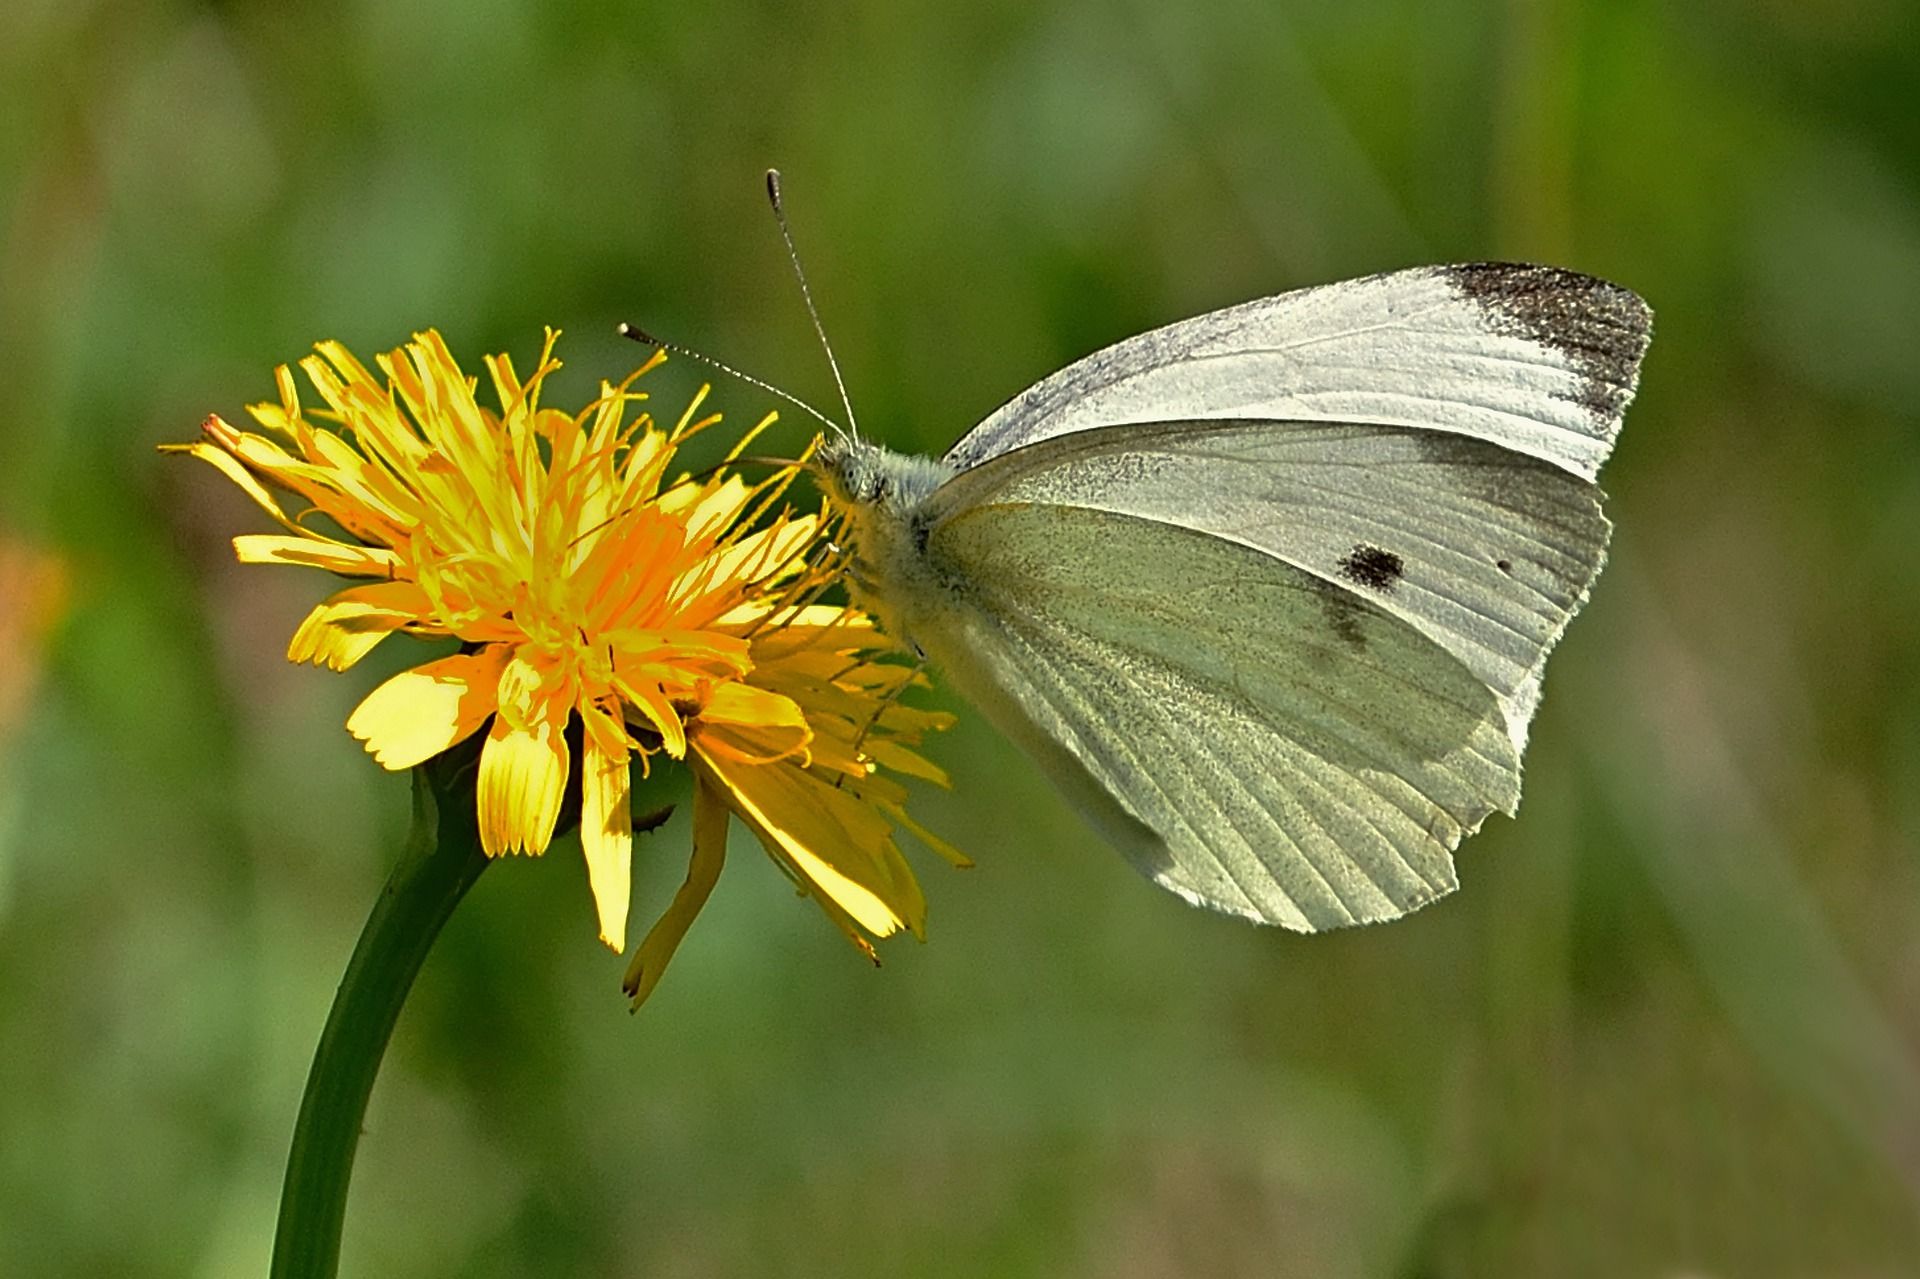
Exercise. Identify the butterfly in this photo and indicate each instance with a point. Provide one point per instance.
(1268, 593)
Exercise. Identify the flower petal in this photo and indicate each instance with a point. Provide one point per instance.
(889, 753)
(658, 712)
(708, 508)
(829, 835)
(230, 466)
(419, 713)
(606, 823)
(348, 625)
(314, 552)
(752, 559)
(753, 725)
(709, 854)
(523, 777)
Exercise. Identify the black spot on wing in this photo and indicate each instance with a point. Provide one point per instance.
(1372, 567)
(1601, 328)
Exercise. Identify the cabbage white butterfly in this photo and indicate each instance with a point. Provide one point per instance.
(1268, 592)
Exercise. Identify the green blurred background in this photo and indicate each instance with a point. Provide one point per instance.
(1667, 1027)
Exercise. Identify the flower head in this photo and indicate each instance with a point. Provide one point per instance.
(662, 615)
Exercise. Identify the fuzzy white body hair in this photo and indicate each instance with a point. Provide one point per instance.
(884, 494)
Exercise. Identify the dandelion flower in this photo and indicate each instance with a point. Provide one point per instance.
(661, 615)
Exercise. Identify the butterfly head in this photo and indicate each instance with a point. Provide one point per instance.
(863, 477)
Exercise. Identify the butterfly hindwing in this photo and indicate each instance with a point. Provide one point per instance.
(1251, 736)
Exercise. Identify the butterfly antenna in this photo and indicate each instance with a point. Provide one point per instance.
(806, 295)
(640, 335)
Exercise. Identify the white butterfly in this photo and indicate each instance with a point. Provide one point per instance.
(1268, 593)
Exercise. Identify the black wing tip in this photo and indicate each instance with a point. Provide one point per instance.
(1525, 283)
(1601, 328)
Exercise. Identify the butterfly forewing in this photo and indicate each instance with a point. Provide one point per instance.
(1535, 359)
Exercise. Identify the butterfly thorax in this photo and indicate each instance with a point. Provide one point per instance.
(884, 496)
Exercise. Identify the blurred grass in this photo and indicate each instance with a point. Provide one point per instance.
(1668, 1025)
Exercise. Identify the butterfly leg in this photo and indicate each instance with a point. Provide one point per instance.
(920, 664)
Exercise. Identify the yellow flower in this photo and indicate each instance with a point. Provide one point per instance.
(669, 616)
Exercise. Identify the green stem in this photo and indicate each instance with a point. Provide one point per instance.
(440, 862)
